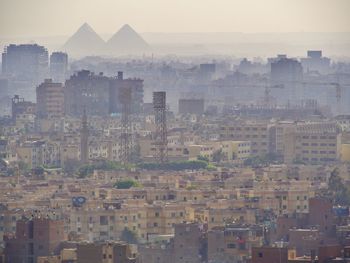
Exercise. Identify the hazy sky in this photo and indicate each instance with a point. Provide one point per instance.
(63, 17)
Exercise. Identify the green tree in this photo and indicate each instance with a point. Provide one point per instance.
(175, 166)
(38, 170)
(337, 190)
(126, 184)
(135, 155)
(23, 166)
(218, 155)
(71, 166)
(104, 165)
(203, 158)
(129, 236)
(234, 156)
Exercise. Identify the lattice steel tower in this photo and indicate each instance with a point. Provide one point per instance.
(125, 136)
(84, 139)
(161, 139)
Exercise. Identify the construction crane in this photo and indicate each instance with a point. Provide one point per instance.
(336, 85)
(267, 92)
(267, 89)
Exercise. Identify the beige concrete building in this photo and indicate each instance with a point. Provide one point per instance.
(39, 153)
(313, 143)
(231, 150)
(233, 243)
(50, 99)
(256, 133)
(111, 252)
(108, 224)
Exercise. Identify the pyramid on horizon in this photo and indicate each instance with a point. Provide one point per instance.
(127, 41)
(84, 42)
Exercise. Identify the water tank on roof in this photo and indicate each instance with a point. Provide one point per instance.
(78, 201)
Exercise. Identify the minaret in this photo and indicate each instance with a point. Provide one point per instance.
(84, 140)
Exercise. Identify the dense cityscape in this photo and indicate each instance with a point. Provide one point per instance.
(111, 151)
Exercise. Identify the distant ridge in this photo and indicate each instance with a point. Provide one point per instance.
(85, 41)
(127, 41)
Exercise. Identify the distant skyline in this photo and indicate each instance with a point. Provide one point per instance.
(54, 18)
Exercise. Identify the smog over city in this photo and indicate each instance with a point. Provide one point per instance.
(187, 131)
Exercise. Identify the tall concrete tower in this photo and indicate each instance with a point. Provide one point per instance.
(84, 140)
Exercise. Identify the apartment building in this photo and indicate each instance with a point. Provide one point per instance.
(313, 143)
(285, 201)
(187, 243)
(309, 142)
(8, 221)
(230, 150)
(111, 252)
(38, 153)
(219, 217)
(233, 243)
(50, 99)
(106, 148)
(256, 133)
(101, 93)
(34, 237)
(108, 224)
(318, 142)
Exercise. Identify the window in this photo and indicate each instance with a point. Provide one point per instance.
(103, 220)
(231, 245)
